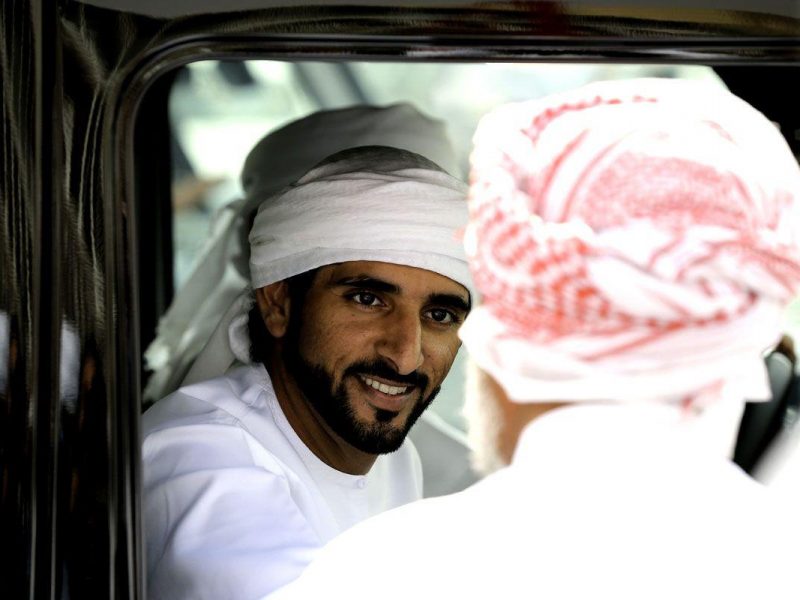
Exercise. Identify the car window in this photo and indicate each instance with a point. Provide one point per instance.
(219, 110)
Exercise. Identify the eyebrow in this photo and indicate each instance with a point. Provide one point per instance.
(450, 301)
(366, 282)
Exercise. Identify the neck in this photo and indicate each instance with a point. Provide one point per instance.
(309, 426)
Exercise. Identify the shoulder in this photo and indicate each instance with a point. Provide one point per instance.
(441, 520)
(208, 426)
(496, 539)
(425, 542)
(223, 400)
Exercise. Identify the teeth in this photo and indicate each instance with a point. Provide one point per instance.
(382, 387)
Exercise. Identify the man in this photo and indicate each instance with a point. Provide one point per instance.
(221, 273)
(359, 288)
(634, 244)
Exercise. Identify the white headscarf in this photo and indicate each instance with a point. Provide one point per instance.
(221, 272)
(375, 206)
(633, 241)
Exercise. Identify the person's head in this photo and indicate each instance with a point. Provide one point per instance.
(632, 242)
(360, 287)
(192, 342)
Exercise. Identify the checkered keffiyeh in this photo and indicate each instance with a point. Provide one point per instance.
(631, 240)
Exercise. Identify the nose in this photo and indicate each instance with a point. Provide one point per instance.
(401, 341)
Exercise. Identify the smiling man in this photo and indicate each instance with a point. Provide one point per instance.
(359, 287)
(363, 356)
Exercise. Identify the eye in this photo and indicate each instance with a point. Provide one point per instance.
(366, 299)
(441, 315)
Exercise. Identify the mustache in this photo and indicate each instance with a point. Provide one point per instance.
(379, 368)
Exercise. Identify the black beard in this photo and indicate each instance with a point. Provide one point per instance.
(333, 404)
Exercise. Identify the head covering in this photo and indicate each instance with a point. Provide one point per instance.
(370, 205)
(286, 154)
(632, 241)
(221, 272)
(375, 204)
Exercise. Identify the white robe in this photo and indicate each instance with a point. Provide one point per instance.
(235, 505)
(607, 501)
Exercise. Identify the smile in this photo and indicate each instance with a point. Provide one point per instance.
(391, 390)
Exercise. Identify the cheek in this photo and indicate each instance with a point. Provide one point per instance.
(440, 355)
(332, 342)
(316, 344)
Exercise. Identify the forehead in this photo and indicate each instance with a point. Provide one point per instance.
(408, 280)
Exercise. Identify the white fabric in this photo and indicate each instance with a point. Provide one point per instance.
(235, 505)
(444, 454)
(336, 214)
(612, 501)
(633, 241)
(221, 271)
(345, 211)
(669, 369)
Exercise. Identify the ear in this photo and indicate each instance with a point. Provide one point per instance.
(274, 305)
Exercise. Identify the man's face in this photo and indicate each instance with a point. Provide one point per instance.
(371, 346)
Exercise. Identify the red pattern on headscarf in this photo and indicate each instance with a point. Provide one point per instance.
(536, 278)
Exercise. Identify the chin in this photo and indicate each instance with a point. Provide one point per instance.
(384, 432)
(374, 440)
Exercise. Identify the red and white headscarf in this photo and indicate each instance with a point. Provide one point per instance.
(632, 241)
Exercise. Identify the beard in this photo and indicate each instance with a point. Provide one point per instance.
(484, 422)
(332, 401)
